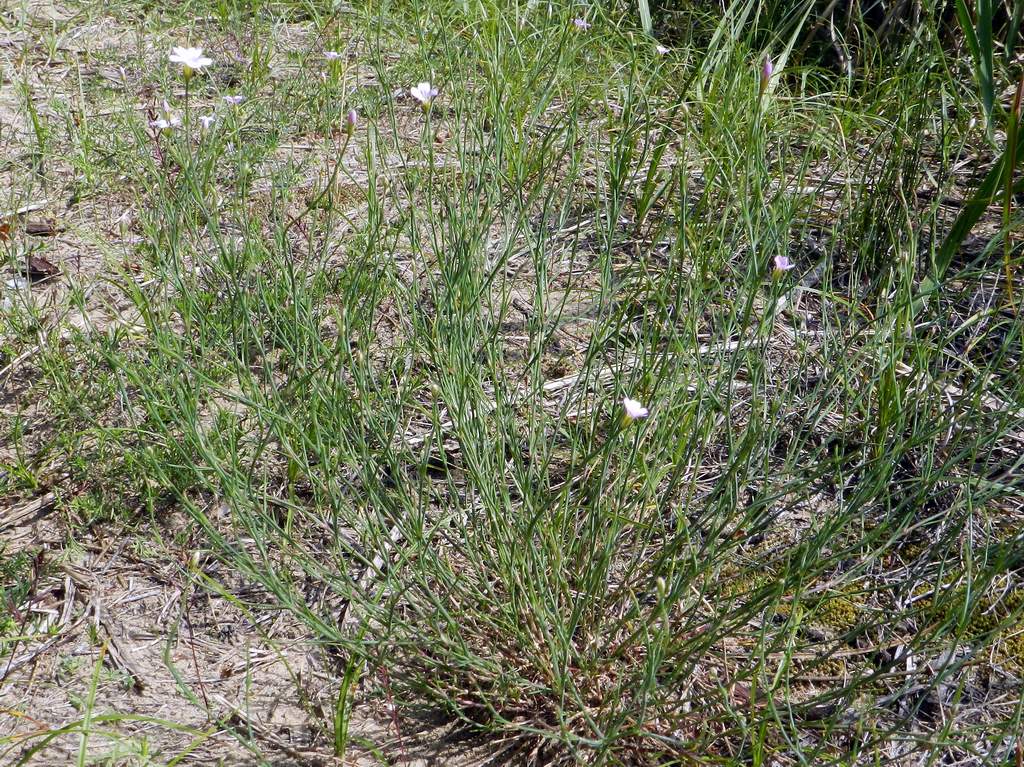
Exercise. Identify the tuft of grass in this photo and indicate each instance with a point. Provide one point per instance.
(392, 366)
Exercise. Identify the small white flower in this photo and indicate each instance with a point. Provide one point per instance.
(633, 409)
(167, 120)
(423, 93)
(234, 100)
(191, 59)
(332, 55)
(207, 120)
(662, 49)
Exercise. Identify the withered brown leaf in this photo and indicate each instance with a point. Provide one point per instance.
(42, 228)
(39, 268)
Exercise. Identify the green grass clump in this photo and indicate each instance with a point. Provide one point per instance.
(391, 363)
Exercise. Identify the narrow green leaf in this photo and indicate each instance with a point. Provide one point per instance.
(645, 17)
(986, 81)
(343, 709)
(978, 36)
(972, 211)
(1013, 31)
(963, 15)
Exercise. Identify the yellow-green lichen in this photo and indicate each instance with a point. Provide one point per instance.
(839, 613)
(1008, 641)
(821, 667)
(1009, 651)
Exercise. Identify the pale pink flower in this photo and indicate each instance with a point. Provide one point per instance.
(423, 93)
(192, 60)
(333, 55)
(767, 70)
(234, 100)
(783, 264)
(634, 409)
(581, 24)
(351, 121)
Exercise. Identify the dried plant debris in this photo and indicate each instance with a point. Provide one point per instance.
(39, 268)
(43, 228)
